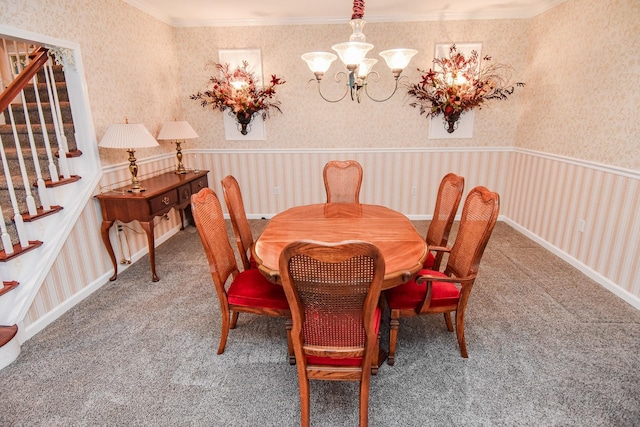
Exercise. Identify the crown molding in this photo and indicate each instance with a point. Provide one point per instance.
(487, 14)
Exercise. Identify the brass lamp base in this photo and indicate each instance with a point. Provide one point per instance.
(180, 167)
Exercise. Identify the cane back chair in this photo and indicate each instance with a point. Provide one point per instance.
(435, 292)
(239, 222)
(333, 291)
(248, 291)
(342, 181)
(447, 202)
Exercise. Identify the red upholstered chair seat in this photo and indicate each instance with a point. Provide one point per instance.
(409, 295)
(253, 263)
(428, 263)
(250, 288)
(351, 361)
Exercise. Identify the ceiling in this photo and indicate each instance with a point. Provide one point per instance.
(198, 13)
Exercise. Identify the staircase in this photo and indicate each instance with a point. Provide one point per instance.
(38, 145)
(16, 142)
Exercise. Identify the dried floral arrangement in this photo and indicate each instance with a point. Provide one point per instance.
(457, 84)
(236, 91)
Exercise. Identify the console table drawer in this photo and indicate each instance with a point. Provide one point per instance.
(199, 184)
(167, 200)
(184, 193)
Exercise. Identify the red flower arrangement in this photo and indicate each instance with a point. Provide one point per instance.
(236, 91)
(460, 84)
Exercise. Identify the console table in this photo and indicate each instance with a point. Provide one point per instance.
(162, 193)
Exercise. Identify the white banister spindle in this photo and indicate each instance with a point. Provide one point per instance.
(63, 147)
(17, 217)
(7, 245)
(31, 203)
(53, 170)
(6, 238)
(42, 189)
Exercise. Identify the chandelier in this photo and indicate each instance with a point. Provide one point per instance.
(353, 55)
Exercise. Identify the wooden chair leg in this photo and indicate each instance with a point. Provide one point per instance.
(394, 324)
(224, 332)
(304, 401)
(378, 357)
(291, 355)
(364, 401)
(447, 319)
(460, 333)
(234, 319)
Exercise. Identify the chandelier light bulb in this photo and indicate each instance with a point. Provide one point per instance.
(398, 59)
(319, 62)
(352, 53)
(365, 67)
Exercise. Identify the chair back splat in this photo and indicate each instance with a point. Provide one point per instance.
(445, 292)
(447, 202)
(333, 291)
(247, 291)
(239, 222)
(342, 181)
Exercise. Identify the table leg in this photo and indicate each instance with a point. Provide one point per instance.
(104, 231)
(148, 228)
(181, 218)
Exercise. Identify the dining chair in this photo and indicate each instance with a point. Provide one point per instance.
(333, 290)
(445, 292)
(247, 291)
(342, 181)
(447, 202)
(239, 222)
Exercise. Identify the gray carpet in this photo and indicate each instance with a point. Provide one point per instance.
(547, 347)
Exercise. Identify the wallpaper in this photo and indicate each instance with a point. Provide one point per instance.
(310, 122)
(583, 65)
(579, 60)
(129, 59)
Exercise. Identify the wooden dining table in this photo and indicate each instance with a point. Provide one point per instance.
(403, 248)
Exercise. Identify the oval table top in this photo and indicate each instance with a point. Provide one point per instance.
(403, 248)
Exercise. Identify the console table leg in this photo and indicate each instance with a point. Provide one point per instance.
(181, 218)
(104, 231)
(148, 228)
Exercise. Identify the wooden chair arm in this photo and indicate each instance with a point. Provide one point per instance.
(439, 249)
(427, 278)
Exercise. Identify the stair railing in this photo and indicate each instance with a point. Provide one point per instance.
(16, 89)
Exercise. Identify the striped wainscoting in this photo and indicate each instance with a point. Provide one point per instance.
(404, 180)
(83, 264)
(544, 196)
(584, 212)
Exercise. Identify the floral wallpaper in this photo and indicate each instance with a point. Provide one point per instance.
(129, 59)
(579, 60)
(583, 64)
(310, 122)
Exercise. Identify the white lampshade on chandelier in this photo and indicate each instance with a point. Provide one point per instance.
(353, 56)
(129, 136)
(177, 131)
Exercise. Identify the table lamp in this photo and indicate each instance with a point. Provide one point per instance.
(177, 131)
(129, 136)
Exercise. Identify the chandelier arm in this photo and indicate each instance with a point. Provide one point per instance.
(337, 79)
(395, 89)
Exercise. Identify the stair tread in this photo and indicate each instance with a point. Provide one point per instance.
(7, 286)
(40, 212)
(17, 250)
(7, 333)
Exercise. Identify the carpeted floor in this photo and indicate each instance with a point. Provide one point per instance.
(547, 347)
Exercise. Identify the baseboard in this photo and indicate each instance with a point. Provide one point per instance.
(9, 352)
(594, 275)
(24, 333)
